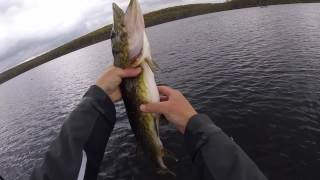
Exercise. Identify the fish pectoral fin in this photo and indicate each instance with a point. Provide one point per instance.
(153, 66)
(168, 154)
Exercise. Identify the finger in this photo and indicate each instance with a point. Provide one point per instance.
(164, 98)
(158, 107)
(162, 84)
(130, 72)
(165, 90)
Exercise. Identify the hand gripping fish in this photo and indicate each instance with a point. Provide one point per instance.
(130, 48)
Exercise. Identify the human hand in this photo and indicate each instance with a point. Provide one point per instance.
(110, 80)
(174, 106)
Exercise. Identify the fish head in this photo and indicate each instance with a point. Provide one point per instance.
(128, 35)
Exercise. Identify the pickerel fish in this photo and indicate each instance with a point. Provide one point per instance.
(130, 48)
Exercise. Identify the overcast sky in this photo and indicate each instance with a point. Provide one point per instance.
(31, 27)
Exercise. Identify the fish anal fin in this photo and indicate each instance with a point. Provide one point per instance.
(168, 154)
(157, 126)
(166, 172)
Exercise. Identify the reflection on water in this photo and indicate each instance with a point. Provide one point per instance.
(255, 72)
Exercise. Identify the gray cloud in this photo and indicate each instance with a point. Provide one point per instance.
(26, 48)
(5, 5)
(29, 28)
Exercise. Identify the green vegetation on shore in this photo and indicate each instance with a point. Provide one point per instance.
(151, 19)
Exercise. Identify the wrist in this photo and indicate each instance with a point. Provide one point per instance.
(105, 92)
(104, 89)
(95, 92)
(101, 87)
(183, 127)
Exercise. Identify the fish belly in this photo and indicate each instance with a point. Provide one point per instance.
(137, 91)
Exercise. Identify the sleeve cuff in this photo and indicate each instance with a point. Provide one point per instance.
(97, 93)
(101, 102)
(198, 131)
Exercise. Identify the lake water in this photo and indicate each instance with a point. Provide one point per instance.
(255, 72)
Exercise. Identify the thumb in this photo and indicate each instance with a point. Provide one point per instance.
(130, 72)
(157, 107)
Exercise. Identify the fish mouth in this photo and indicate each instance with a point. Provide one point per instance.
(134, 23)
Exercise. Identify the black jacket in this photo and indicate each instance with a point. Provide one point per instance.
(77, 152)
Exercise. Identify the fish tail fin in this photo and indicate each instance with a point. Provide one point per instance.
(166, 172)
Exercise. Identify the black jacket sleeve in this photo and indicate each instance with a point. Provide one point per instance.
(78, 150)
(215, 155)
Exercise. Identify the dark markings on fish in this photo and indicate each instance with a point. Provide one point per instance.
(113, 34)
(115, 51)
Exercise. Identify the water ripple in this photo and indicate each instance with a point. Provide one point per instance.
(257, 76)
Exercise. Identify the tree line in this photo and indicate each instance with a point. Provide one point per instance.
(251, 3)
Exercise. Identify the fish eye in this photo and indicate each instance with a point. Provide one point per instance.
(124, 35)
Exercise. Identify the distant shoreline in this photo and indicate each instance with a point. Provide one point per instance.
(151, 19)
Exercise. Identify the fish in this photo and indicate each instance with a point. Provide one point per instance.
(131, 49)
